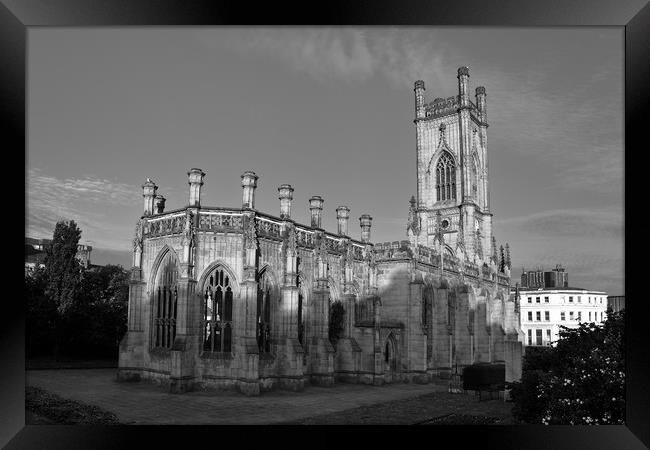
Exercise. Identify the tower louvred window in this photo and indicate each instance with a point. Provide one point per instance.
(217, 313)
(445, 178)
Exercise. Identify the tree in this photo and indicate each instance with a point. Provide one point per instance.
(41, 314)
(580, 381)
(102, 317)
(62, 269)
(63, 278)
(507, 260)
(72, 310)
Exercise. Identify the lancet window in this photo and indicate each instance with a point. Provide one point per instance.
(445, 178)
(264, 302)
(217, 313)
(165, 302)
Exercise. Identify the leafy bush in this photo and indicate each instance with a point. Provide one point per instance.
(580, 381)
(539, 358)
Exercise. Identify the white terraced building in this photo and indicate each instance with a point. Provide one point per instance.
(544, 310)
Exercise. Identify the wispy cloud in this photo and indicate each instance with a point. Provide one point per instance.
(577, 131)
(88, 201)
(568, 223)
(587, 242)
(347, 54)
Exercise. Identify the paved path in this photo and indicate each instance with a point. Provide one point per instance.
(144, 403)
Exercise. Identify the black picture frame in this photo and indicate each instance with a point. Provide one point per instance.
(17, 16)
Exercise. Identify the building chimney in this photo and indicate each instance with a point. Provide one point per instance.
(366, 222)
(286, 195)
(159, 204)
(316, 209)
(195, 180)
(149, 189)
(249, 183)
(342, 216)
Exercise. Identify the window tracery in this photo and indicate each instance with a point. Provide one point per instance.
(217, 313)
(166, 302)
(445, 178)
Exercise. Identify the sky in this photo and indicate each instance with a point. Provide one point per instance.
(329, 111)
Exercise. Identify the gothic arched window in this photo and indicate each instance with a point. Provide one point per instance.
(166, 302)
(217, 313)
(445, 178)
(301, 308)
(427, 304)
(264, 303)
(451, 310)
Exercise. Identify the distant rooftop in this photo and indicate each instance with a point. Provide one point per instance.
(548, 289)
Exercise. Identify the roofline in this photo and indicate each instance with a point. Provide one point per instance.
(562, 290)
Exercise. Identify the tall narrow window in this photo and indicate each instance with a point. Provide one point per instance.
(217, 313)
(427, 299)
(264, 302)
(538, 335)
(166, 302)
(301, 324)
(530, 337)
(445, 178)
(451, 310)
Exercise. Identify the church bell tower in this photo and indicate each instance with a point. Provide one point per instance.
(453, 196)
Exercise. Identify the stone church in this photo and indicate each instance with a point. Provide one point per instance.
(240, 298)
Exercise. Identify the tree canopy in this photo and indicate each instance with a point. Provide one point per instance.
(579, 381)
(72, 310)
(62, 269)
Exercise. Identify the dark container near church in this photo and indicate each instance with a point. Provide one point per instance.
(484, 377)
